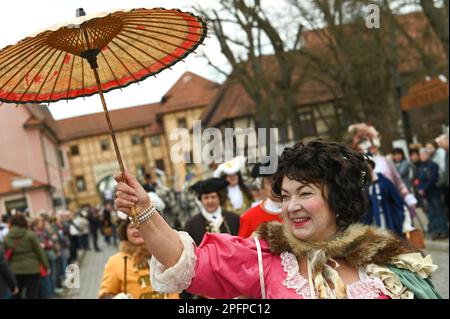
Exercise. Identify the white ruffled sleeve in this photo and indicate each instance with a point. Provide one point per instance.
(178, 277)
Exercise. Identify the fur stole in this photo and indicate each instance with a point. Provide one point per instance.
(359, 244)
(139, 254)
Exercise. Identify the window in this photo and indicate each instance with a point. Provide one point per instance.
(17, 204)
(104, 145)
(136, 140)
(181, 122)
(155, 140)
(160, 164)
(307, 124)
(81, 184)
(74, 151)
(60, 156)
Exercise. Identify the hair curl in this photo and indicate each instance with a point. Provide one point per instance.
(342, 174)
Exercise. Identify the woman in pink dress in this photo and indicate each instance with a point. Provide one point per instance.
(319, 251)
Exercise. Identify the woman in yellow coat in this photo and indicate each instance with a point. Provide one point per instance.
(138, 273)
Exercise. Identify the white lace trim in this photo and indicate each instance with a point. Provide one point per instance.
(178, 277)
(293, 279)
(367, 287)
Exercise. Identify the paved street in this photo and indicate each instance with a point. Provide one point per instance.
(439, 252)
(91, 272)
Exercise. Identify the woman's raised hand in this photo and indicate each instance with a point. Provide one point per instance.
(130, 194)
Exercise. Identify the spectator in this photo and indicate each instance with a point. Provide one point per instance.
(415, 163)
(74, 231)
(427, 188)
(94, 226)
(83, 224)
(438, 156)
(8, 283)
(109, 224)
(27, 257)
(48, 242)
(62, 230)
(403, 167)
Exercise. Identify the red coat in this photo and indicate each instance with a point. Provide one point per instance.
(254, 217)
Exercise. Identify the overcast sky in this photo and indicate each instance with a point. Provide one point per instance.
(21, 18)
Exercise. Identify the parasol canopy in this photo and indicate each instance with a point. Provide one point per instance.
(125, 47)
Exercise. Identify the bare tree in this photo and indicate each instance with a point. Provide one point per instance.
(368, 67)
(363, 69)
(438, 19)
(263, 62)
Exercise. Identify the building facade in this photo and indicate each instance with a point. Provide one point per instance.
(144, 138)
(32, 164)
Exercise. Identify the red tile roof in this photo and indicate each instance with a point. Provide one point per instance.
(121, 119)
(191, 90)
(233, 101)
(7, 177)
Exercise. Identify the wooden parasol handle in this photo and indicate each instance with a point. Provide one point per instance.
(113, 136)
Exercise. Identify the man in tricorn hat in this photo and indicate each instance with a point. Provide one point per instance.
(211, 218)
(267, 210)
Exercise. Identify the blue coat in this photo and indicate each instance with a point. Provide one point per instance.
(391, 203)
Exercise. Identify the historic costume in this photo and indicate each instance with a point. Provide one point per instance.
(365, 137)
(386, 206)
(265, 211)
(138, 280)
(225, 266)
(238, 200)
(219, 221)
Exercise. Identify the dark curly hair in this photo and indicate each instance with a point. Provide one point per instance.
(331, 166)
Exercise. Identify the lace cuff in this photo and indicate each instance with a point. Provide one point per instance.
(178, 277)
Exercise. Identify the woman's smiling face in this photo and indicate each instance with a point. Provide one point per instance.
(306, 211)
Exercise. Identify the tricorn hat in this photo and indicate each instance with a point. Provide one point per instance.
(209, 185)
